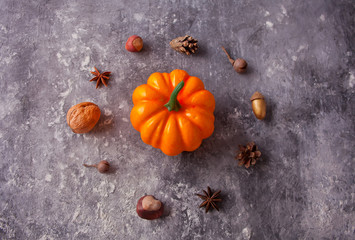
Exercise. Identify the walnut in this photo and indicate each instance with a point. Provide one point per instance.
(82, 117)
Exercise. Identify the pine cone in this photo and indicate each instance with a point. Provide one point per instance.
(185, 44)
(248, 154)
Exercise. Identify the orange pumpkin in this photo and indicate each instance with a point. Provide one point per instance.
(173, 112)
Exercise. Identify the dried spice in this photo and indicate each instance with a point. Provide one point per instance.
(248, 155)
(210, 199)
(103, 166)
(239, 65)
(186, 44)
(100, 77)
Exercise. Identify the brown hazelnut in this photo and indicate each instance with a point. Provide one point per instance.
(258, 105)
(149, 208)
(82, 117)
(134, 44)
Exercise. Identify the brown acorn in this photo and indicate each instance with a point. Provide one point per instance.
(239, 65)
(103, 166)
(258, 105)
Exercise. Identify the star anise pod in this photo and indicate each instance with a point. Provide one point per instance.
(210, 199)
(100, 77)
(248, 154)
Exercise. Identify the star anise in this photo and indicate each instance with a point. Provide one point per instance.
(210, 199)
(100, 77)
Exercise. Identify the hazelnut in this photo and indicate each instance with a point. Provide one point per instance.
(258, 105)
(134, 44)
(149, 208)
(82, 117)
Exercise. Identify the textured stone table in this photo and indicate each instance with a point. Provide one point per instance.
(301, 57)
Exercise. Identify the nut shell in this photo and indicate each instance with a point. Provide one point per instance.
(103, 166)
(258, 105)
(134, 44)
(256, 95)
(240, 65)
(146, 214)
(82, 117)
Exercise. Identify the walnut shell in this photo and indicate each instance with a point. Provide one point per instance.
(82, 117)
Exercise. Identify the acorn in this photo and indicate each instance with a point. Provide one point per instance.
(239, 65)
(149, 208)
(103, 166)
(258, 105)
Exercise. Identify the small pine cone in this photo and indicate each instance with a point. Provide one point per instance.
(248, 155)
(185, 44)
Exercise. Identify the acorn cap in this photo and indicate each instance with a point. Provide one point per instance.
(256, 95)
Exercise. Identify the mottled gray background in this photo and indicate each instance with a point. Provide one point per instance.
(301, 57)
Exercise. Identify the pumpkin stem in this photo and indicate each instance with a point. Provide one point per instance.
(173, 103)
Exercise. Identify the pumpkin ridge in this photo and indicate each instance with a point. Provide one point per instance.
(196, 130)
(168, 82)
(162, 129)
(143, 121)
(156, 90)
(185, 96)
(161, 93)
(146, 92)
(198, 127)
(148, 100)
(179, 130)
(190, 95)
(189, 105)
(185, 79)
(150, 116)
(172, 144)
(156, 87)
(161, 121)
(206, 114)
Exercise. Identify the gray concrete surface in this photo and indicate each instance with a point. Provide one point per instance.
(301, 57)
